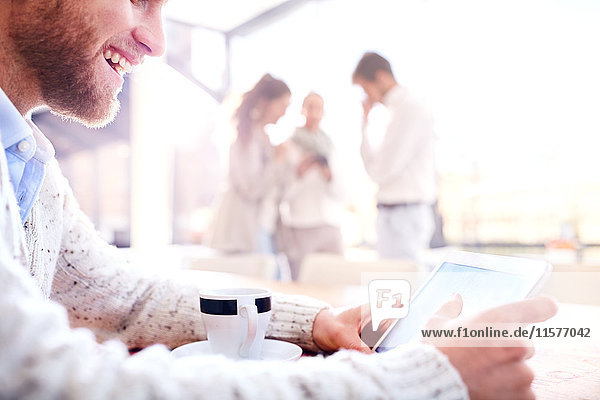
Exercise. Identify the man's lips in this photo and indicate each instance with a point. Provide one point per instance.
(118, 61)
(121, 60)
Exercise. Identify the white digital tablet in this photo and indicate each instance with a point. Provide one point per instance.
(483, 281)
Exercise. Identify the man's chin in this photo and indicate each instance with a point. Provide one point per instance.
(90, 117)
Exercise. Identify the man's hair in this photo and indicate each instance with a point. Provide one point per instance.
(369, 64)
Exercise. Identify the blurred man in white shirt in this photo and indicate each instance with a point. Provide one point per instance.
(403, 165)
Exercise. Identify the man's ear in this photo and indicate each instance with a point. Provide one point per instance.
(381, 76)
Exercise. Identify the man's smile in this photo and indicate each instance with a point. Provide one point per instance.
(117, 61)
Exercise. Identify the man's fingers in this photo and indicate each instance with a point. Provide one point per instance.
(354, 343)
(511, 353)
(507, 381)
(449, 310)
(530, 351)
(365, 312)
(517, 376)
(536, 309)
(452, 308)
(385, 324)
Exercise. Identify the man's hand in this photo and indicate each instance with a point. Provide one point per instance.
(335, 330)
(494, 372)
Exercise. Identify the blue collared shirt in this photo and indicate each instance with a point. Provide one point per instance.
(27, 152)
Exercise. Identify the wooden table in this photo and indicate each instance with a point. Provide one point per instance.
(569, 368)
(564, 368)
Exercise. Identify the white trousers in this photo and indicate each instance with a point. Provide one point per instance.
(403, 231)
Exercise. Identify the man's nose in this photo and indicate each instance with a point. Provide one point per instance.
(150, 34)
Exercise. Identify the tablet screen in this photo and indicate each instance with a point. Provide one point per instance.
(480, 289)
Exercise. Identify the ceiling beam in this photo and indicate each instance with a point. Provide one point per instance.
(179, 58)
(266, 17)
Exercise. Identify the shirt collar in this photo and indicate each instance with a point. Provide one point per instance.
(394, 95)
(13, 127)
(44, 151)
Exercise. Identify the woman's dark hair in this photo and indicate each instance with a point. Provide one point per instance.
(266, 89)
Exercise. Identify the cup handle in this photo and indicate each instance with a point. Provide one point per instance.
(250, 312)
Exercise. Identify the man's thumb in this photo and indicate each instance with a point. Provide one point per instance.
(451, 309)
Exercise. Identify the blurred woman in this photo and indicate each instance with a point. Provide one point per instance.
(246, 214)
(311, 204)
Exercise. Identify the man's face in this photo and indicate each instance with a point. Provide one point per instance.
(371, 88)
(65, 45)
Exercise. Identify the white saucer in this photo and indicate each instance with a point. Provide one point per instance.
(271, 350)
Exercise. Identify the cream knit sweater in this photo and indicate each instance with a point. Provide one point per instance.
(41, 356)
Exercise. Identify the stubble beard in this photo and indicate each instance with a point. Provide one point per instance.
(55, 47)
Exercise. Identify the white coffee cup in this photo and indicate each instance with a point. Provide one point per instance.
(236, 320)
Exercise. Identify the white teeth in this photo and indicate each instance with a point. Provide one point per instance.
(119, 69)
(121, 64)
(125, 64)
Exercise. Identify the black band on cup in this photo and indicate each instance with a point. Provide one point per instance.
(218, 307)
(263, 304)
(229, 307)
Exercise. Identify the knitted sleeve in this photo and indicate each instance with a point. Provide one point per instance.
(101, 291)
(43, 359)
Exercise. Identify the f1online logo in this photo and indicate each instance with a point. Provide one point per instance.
(388, 299)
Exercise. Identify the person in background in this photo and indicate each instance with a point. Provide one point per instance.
(246, 212)
(57, 274)
(403, 165)
(311, 204)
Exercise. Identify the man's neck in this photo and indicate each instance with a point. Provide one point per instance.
(19, 85)
(387, 86)
(19, 89)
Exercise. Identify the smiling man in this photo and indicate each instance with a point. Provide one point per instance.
(56, 273)
(71, 56)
